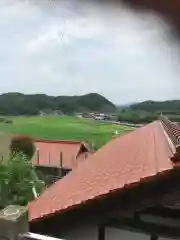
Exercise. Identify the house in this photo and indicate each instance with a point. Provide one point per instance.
(88, 115)
(103, 116)
(50, 112)
(78, 115)
(57, 113)
(57, 158)
(128, 189)
(45, 112)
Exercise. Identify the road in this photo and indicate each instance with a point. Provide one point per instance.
(121, 123)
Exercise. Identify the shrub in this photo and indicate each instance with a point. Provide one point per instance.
(8, 121)
(2, 119)
(22, 144)
(19, 183)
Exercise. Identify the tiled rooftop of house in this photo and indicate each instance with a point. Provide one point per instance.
(128, 159)
(48, 153)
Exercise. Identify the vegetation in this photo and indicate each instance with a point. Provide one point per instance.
(19, 183)
(149, 111)
(172, 106)
(70, 128)
(21, 104)
(136, 117)
(22, 144)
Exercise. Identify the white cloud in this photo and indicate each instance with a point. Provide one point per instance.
(64, 32)
(48, 46)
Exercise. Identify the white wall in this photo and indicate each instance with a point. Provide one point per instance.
(117, 234)
(90, 232)
(161, 238)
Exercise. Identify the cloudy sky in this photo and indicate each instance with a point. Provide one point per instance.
(71, 48)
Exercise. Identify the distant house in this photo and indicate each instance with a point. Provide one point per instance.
(96, 116)
(41, 113)
(49, 112)
(101, 116)
(57, 113)
(128, 189)
(78, 115)
(57, 158)
(87, 115)
(45, 112)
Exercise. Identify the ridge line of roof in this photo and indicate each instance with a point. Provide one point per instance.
(84, 143)
(59, 141)
(169, 140)
(173, 132)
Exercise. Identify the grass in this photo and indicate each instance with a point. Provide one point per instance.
(69, 128)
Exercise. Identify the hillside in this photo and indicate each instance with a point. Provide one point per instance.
(171, 106)
(21, 104)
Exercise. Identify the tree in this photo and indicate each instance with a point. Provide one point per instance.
(22, 144)
(21, 104)
(19, 183)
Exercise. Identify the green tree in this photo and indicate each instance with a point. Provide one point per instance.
(21, 104)
(19, 183)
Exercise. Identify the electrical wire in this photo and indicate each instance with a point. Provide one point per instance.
(71, 69)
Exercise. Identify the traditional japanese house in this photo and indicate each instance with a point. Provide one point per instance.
(54, 159)
(129, 189)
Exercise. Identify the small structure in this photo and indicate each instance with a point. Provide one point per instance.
(13, 222)
(49, 112)
(101, 116)
(78, 115)
(57, 113)
(14, 225)
(88, 115)
(54, 159)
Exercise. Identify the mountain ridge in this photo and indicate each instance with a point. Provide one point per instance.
(151, 105)
(15, 103)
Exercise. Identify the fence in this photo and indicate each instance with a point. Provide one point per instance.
(14, 225)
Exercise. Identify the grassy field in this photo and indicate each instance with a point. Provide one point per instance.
(70, 128)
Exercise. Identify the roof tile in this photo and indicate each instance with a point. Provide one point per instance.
(122, 161)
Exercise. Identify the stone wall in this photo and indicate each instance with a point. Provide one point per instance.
(13, 222)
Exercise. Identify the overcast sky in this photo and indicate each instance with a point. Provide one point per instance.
(71, 48)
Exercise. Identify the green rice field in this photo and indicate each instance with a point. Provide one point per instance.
(66, 128)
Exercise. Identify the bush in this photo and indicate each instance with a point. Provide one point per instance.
(22, 144)
(2, 119)
(19, 183)
(8, 121)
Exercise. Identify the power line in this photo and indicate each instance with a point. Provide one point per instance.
(63, 43)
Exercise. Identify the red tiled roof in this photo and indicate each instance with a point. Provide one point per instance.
(123, 161)
(49, 153)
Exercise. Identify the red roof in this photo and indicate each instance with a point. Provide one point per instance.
(49, 153)
(123, 161)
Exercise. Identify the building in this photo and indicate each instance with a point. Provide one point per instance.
(129, 189)
(50, 112)
(57, 113)
(88, 115)
(54, 159)
(78, 115)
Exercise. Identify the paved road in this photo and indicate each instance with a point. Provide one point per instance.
(121, 123)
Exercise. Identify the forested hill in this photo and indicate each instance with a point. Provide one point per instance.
(153, 106)
(21, 104)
